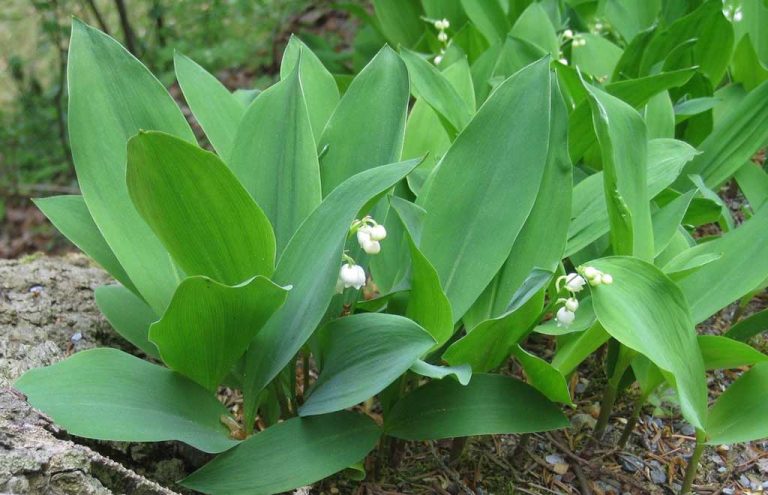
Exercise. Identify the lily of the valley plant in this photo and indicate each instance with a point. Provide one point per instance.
(338, 248)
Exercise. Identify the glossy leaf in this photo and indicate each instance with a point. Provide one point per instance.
(488, 17)
(128, 315)
(71, 217)
(647, 312)
(741, 266)
(290, 454)
(467, 245)
(208, 326)
(196, 206)
(368, 126)
(462, 373)
(489, 405)
(216, 109)
(721, 352)
(739, 413)
(534, 26)
(400, 21)
(361, 355)
(543, 376)
(321, 93)
(111, 97)
(275, 157)
(597, 56)
(107, 394)
(310, 263)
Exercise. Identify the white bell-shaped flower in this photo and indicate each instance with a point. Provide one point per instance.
(363, 235)
(438, 59)
(371, 247)
(565, 317)
(574, 282)
(572, 304)
(352, 276)
(377, 233)
(442, 37)
(607, 279)
(590, 272)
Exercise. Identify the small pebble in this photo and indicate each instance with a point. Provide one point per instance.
(722, 469)
(688, 430)
(36, 289)
(76, 337)
(728, 491)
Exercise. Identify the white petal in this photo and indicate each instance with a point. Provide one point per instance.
(572, 304)
(372, 247)
(378, 233)
(565, 317)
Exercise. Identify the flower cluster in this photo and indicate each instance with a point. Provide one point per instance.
(369, 234)
(573, 283)
(442, 37)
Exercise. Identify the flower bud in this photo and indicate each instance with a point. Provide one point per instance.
(371, 247)
(567, 34)
(438, 59)
(572, 304)
(363, 235)
(378, 233)
(590, 272)
(565, 317)
(596, 280)
(607, 279)
(574, 282)
(442, 37)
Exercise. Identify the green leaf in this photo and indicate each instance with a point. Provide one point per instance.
(128, 315)
(739, 413)
(621, 133)
(585, 319)
(666, 221)
(216, 109)
(629, 17)
(428, 305)
(647, 312)
(275, 157)
(400, 21)
(753, 182)
(543, 376)
(107, 394)
(534, 26)
(597, 57)
(746, 66)
(208, 325)
(489, 405)
(575, 348)
(318, 85)
(721, 352)
(310, 263)
(462, 373)
(749, 327)
(291, 454)
(112, 93)
(740, 268)
(368, 126)
(467, 245)
(488, 17)
(429, 85)
(70, 215)
(361, 355)
(733, 141)
(196, 206)
(666, 158)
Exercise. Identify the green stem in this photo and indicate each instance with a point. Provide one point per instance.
(606, 407)
(693, 463)
(638, 406)
(304, 374)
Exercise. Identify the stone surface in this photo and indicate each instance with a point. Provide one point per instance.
(44, 302)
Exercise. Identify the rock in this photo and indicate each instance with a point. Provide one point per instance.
(630, 463)
(47, 311)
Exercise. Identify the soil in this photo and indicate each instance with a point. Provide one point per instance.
(47, 312)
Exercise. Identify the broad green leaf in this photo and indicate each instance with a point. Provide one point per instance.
(721, 352)
(739, 413)
(667, 219)
(647, 374)
(128, 315)
(749, 327)
(534, 26)
(543, 376)
(681, 265)
(310, 263)
(368, 126)
(575, 348)
(400, 20)
(666, 158)
(111, 97)
(488, 405)
(428, 305)
(462, 373)
(199, 210)
(216, 109)
(733, 141)
(208, 326)
(597, 56)
(630, 17)
(647, 312)
(621, 133)
(753, 182)
(107, 394)
(488, 17)
(429, 85)
(740, 268)
(274, 156)
(754, 18)
(467, 245)
(321, 93)
(291, 454)
(542, 240)
(489, 343)
(713, 36)
(70, 215)
(362, 354)
(659, 116)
